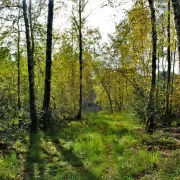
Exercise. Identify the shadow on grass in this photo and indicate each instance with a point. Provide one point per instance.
(37, 167)
(71, 158)
(34, 164)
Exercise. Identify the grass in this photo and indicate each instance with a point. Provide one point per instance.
(9, 166)
(102, 146)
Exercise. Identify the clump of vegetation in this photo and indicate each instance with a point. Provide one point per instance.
(10, 166)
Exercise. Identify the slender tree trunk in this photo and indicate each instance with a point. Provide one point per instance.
(127, 88)
(108, 95)
(18, 64)
(33, 113)
(167, 113)
(47, 89)
(158, 80)
(119, 101)
(122, 101)
(109, 98)
(79, 115)
(151, 106)
(110, 102)
(172, 79)
(118, 105)
(122, 96)
(72, 77)
(176, 7)
(31, 26)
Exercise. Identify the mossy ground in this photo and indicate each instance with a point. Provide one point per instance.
(102, 146)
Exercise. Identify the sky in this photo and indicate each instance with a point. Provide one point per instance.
(107, 17)
(103, 18)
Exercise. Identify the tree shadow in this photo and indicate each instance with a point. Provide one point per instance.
(54, 162)
(34, 162)
(71, 158)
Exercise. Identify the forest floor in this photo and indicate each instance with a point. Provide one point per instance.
(100, 147)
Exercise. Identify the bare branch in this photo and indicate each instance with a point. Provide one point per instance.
(75, 20)
(83, 5)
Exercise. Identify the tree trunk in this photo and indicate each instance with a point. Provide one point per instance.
(31, 26)
(172, 79)
(110, 102)
(79, 115)
(167, 113)
(33, 113)
(158, 81)
(18, 65)
(151, 106)
(109, 97)
(47, 89)
(176, 7)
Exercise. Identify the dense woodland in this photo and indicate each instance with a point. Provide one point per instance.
(73, 106)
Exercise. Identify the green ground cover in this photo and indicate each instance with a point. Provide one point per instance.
(102, 146)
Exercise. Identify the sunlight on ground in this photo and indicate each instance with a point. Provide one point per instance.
(102, 146)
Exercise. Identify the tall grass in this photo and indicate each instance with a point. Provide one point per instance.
(9, 166)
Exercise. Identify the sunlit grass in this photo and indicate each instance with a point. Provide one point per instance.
(9, 166)
(101, 146)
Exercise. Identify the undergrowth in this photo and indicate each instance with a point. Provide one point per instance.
(102, 146)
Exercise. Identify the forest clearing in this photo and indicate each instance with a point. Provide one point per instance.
(90, 89)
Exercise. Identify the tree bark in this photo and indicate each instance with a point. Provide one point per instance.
(158, 80)
(109, 96)
(79, 115)
(31, 26)
(176, 7)
(151, 107)
(172, 79)
(30, 56)
(18, 65)
(47, 89)
(167, 113)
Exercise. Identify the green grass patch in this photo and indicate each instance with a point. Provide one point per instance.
(102, 146)
(9, 166)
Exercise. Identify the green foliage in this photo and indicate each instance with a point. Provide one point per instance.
(135, 162)
(9, 166)
(169, 167)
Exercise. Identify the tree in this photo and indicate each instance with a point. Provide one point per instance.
(30, 55)
(176, 7)
(167, 113)
(47, 89)
(131, 44)
(66, 77)
(103, 77)
(18, 61)
(79, 22)
(79, 115)
(151, 107)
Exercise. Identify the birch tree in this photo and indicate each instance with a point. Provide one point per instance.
(79, 22)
